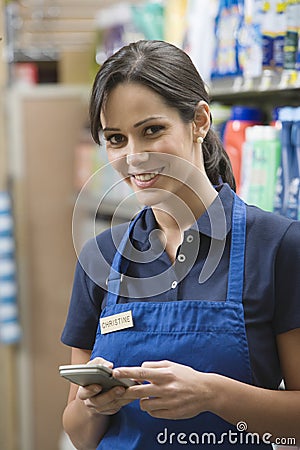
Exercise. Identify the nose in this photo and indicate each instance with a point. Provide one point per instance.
(135, 159)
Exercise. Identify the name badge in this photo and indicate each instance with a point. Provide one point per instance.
(116, 322)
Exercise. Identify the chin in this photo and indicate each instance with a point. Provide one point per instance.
(151, 197)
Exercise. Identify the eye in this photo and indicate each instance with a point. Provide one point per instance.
(153, 129)
(115, 139)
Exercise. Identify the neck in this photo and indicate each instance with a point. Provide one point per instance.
(180, 211)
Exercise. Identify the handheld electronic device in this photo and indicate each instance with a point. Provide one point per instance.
(85, 374)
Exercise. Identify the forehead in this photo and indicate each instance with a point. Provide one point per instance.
(131, 101)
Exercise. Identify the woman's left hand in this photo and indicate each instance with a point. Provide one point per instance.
(173, 391)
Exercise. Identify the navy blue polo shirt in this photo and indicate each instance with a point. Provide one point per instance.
(271, 292)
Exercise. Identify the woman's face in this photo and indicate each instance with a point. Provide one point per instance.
(148, 143)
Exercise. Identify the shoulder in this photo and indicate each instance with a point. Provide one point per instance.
(268, 237)
(266, 226)
(289, 248)
(106, 241)
(111, 237)
(287, 281)
(97, 254)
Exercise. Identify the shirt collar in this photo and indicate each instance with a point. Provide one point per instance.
(214, 223)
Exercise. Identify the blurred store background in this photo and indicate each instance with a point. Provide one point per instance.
(249, 56)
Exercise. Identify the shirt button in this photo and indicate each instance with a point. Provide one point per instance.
(181, 258)
(189, 238)
(174, 285)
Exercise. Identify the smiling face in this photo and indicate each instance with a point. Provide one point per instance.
(148, 143)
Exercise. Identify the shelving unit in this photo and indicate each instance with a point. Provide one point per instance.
(268, 91)
(45, 123)
(8, 395)
(50, 27)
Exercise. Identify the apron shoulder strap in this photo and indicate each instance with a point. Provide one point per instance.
(237, 251)
(119, 265)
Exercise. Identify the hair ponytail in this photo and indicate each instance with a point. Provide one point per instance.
(216, 161)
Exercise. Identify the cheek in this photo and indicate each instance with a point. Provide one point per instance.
(119, 165)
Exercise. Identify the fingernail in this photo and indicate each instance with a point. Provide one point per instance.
(119, 391)
(97, 389)
(116, 373)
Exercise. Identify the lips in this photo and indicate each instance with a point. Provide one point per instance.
(146, 179)
(146, 176)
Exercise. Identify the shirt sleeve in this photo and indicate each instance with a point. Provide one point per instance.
(88, 292)
(287, 281)
(84, 310)
(89, 288)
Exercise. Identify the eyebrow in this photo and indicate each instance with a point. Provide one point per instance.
(136, 125)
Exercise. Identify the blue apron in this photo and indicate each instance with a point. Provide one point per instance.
(209, 336)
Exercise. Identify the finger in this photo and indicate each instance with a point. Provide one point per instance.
(102, 361)
(138, 373)
(141, 391)
(162, 414)
(112, 395)
(156, 364)
(157, 408)
(109, 402)
(89, 391)
(152, 404)
(110, 412)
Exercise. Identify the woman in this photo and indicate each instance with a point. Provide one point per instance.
(211, 283)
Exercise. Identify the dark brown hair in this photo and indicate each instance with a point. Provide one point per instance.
(168, 71)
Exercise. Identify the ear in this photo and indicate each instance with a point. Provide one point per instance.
(201, 120)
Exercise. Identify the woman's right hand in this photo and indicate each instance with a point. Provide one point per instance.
(106, 403)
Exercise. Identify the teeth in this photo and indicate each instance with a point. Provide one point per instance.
(146, 176)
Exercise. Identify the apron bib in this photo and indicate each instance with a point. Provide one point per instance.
(209, 336)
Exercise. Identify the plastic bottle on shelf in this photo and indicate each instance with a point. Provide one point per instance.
(228, 22)
(296, 136)
(241, 118)
(250, 41)
(293, 207)
(261, 158)
(175, 21)
(280, 30)
(275, 122)
(269, 24)
(281, 200)
(291, 37)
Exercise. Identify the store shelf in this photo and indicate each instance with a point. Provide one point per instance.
(46, 28)
(271, 86)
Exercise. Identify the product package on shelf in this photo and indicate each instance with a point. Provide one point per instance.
(296, 137)
(293, 207)
(287, 195)
(122, 23)
(250, 40)
(176, 21)
(228, 23)
(234, 135)
(257, 44)
(199, 41)
(260, 161)
(291, 39)
(148, 19)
